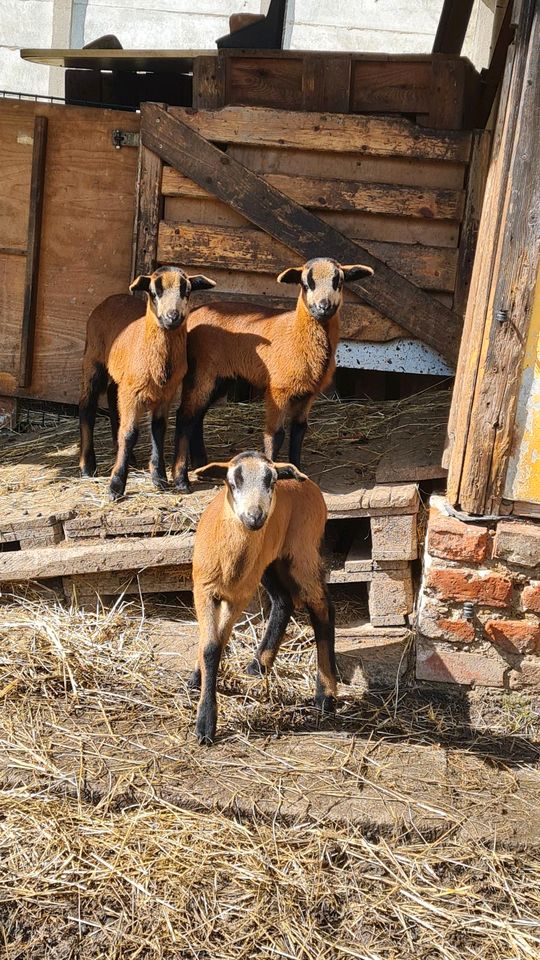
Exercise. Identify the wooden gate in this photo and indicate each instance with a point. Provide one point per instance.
(233, 191)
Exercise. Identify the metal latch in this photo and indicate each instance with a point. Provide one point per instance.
(124, 138)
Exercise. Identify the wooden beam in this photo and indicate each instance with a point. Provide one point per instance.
(148, 212)
(297, 228)
(491, 78)
(476, 186)
(329, 194)
(492, 423)
(335, 133)
(453, 23)
(504, 282)
(35, 216)
(243, 248)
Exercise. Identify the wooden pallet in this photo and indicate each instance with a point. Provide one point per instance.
(58, 526)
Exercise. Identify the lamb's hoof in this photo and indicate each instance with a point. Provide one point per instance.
(255, 669)
(325, 705)
(182, 486)
(194, 682)
(159, 482)
(89, 468)
(205, 730)
(116, 489)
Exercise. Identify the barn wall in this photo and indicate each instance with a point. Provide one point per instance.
(86, 236)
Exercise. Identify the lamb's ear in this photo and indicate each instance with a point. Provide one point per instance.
(287, 471)
(212, 471)
(140, 283)
(292, 275)
(199, 282)
(355, 271)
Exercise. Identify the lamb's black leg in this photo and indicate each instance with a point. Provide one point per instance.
(322, 617)
(280, 613)
(157, 460)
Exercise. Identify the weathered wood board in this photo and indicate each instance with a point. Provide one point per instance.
(86, 235)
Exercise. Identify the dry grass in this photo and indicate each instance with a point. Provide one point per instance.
(99, 860)
(39, 470)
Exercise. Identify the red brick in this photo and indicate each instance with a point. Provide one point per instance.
(527, 677)
(514, 636)
(530, 598)
(441, 665)
(434, 622)
(460, 630)
(451, 539)
(518, 543)
(492, 590)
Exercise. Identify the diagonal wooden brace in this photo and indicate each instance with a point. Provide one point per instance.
(228, 180)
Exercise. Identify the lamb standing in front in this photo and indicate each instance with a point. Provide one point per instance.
(266, 524)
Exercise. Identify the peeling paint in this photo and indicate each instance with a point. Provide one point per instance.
(523, 476)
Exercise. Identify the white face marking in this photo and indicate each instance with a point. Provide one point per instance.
(169, 296)
(322, 287)
(250, 481)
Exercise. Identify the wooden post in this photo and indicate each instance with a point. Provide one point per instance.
(502, 290)
(35, 216)
(452, 26)
(209, 82)
(148, 209)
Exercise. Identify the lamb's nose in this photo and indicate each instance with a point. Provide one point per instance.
(173, 316)
(255, 519)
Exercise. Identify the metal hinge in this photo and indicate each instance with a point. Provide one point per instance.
(124, 138)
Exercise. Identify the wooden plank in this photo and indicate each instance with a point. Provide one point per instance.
(492, 421)
(447, 94)
(326, 83)
(376, 136)
(208, 82)
(296, 227)
(392, 86)
(476, 185)
(87, 233)
(432, 268)
(12, 285)
(148, 208)
(407, 171)
(269, 82)
(477, 303)
(16, 146)
(331, 194)
(357, 226)
(124, 554)
(33, 245)
(453, 23)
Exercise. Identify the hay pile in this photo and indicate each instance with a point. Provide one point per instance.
(97, 860)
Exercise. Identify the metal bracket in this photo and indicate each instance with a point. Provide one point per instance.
(124, 138)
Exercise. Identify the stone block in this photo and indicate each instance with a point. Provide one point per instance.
(394, 538)
(514, 636)
(518, 543)
(442, 664)
(490, 589)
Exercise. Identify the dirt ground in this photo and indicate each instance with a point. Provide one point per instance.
(405, 827)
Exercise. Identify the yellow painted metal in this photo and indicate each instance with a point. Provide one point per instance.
(523, 475)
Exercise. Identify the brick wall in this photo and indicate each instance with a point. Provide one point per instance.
(479, 607)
